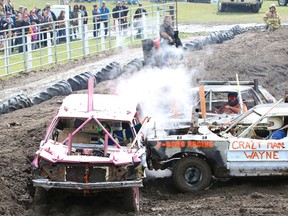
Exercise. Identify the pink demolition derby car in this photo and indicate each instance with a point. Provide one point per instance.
(93, 144)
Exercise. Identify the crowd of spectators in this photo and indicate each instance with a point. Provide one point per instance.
(40, 22)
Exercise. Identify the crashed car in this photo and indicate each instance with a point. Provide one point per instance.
(92, 145)
(254, 144)
(215, 96)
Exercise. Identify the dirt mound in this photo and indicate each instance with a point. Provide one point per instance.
(252, 55)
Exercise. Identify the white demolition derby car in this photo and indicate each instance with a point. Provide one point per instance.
(254, 144)
(215, 95)
(91, 145)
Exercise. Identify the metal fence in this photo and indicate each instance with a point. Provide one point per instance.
(36, 46)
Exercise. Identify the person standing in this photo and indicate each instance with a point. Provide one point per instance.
(84, 14)
(9, 7)
(272, 18)
(167, 32)
(50, 13)
(104, 11)
(74, 22)
(117, 15)
(2, 9)
(33, 17)
(62, 27)
(7, 23)
(125, 14)
(46, 27)
(22, 21)
(138, 20)
(96, 20)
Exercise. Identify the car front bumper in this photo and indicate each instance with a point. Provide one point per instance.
(47, 184)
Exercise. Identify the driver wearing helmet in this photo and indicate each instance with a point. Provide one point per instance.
(272, 18)
(232, 106)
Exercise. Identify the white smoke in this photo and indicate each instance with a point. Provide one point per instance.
(161, 92)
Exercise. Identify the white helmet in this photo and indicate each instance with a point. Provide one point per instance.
(272, 5)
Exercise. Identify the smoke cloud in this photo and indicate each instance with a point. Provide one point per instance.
(161, 92)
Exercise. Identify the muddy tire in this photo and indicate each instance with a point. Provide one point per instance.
(131, 199)
(256, 8)
(41, 196)
(191, 174)
(282, 2)
(41, 199)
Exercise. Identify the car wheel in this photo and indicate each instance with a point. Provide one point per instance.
(131, 199)
(256, 8)
(282, 2)
(191, 174)
(41, 196)
(220, 7)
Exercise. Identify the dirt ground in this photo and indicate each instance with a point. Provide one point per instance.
(252, 55)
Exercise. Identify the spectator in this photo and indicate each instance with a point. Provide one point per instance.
(84, 14)
(21, 22)
(62, 27)
(51, 13)
(104, 11)
(33, 17)
(272, 18)
(34, 35)
(7, 23)
(125, 14)
(9, 7)
(20, 10)
(74, 21)
(96, 20)
(138, 20)
(46, 27)
(117, 15)
(2, 9)
(38, 13)
(25, 11)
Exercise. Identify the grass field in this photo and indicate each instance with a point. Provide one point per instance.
(187, 12)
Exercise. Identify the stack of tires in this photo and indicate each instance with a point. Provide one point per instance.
(66, 87)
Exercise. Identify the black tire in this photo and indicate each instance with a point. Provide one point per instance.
(131, 199)
(41, 201)
(191, 174)
(282, 2)
(41, 196)
(256, 8)
(221, 7)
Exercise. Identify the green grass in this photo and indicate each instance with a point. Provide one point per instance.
(208, 14)
(40, 56)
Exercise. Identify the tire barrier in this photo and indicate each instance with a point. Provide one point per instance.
(80, 81)
(194, 45)
(134, 65)
(150, 56)
(147, 48)
(17, 102)
(61, 88)
(76, 83)
(214, 38)
(111, 71)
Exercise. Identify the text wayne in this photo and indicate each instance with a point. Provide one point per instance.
(267, 150)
